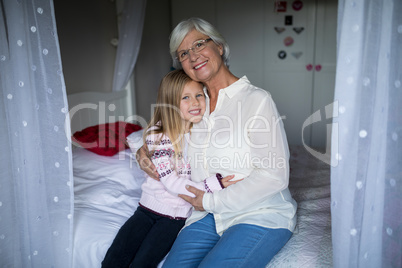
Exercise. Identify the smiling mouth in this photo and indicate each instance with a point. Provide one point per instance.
(195, 112)
(200, 65)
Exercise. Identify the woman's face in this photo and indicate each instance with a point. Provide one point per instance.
(204, 65)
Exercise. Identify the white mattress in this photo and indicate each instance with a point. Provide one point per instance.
(107, 191)
(311, 244)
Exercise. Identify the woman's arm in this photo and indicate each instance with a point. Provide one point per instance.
(195, 201)
(266, 179)
(145, 162)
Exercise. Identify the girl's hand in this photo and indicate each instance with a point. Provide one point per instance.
(226, 181)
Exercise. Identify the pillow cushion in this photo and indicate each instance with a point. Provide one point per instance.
(134, 141)
(105, 139)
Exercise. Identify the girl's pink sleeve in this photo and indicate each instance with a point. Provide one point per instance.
(177, 185)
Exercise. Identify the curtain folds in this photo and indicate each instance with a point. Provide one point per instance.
(366, 175)
(130, 33)
(36, 194)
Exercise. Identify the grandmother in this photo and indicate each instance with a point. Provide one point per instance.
(241, 133)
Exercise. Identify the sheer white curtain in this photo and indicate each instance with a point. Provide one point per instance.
(366, 176)
(130, 33)
(36, 195)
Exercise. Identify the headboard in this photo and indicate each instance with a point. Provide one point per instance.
(92, 108)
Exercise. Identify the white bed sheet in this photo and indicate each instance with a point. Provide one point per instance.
(107, 191)
(311, 244)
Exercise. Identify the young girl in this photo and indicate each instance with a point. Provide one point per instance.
(148, 235)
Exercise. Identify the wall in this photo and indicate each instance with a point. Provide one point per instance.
(85, 29)
(249, 29)
(154, 59)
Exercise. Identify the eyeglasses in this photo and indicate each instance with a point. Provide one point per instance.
(197, 47)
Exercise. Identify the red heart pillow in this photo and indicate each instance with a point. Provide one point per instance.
(105, 139)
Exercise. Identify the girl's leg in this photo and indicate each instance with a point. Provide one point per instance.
(128, 240)
(246, 245)
(158, 242)
(193, 244)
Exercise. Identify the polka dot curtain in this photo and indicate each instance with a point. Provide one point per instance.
(36, 195)
(366, 175)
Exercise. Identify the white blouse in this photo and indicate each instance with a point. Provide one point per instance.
(243, 136)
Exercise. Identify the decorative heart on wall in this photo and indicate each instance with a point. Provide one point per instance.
(288, 41)
(297, 54)
(297, 5)
(280, 29)
(298, 29)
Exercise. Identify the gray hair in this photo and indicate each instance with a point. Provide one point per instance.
(202, 26)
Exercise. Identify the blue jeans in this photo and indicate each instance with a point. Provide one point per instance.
(242, 245)
(142, 241)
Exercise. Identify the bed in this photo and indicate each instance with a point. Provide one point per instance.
(107, 191)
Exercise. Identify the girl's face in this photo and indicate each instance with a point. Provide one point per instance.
(192, 103)
(204, 65)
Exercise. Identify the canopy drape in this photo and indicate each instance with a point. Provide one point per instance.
(36, 185)
(366, 174)
(130, 33)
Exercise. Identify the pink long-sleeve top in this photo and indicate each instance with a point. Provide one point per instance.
(161, 196)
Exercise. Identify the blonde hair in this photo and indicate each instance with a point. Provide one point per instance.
(167, 117)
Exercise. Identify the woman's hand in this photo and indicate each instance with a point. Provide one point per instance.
(145, 163)
(226, 181)
(196, 201)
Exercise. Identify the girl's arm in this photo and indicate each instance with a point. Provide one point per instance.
(161, 156)
(176, 184)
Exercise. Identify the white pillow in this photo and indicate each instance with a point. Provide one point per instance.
(105, 182)
(135, 140)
